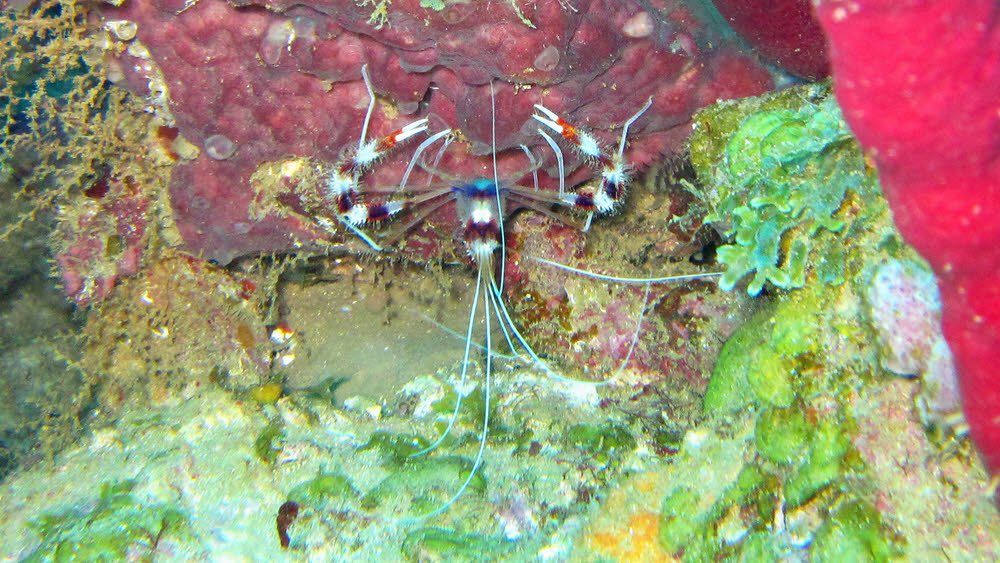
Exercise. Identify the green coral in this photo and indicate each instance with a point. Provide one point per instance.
(398, 448)
(681, 517)
(428, 483)
(782, 434)
(792, 371)
(760, 362)
(119, 527)
(803, 484)
(778, 172)
(471, 413)
(823, 462)
(268, 444)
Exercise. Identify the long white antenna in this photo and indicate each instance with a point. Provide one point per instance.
(595, 275)
(371, 106)
(496, 187)
(631, 120)
(465, 371)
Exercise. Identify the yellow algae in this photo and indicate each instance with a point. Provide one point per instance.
(267, 394)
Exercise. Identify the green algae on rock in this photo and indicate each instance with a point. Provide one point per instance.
(438, 544)
(425, 484)
(118, 527)
(780, 174)
(762, 360)
(781, 434)
(398, 448)
(320, 489)
(854, 532)
(267, 446)
(605, 443)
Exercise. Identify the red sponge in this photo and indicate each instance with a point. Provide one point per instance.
(783, 31)
(919, 82)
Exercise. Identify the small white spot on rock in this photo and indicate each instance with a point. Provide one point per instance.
(278, 38)
(548, 59)
(219, 147)
(639, 25)
(124, 30)
(115, 73)
(304, 27)
(695, 439)
(185, 148)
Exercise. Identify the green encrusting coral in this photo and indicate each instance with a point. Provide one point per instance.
(783, 178)
(803, 474)
(762, 362)
(854, 532)
(792, 371)
(398, 448)
(439, 544)
(267, 446)
(780, 173)
(425, 485)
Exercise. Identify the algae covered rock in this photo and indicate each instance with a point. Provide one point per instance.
(118, 526)
(762, 362)
(799, 391)
(781, 174)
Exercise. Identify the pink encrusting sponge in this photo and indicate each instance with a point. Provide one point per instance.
(919, 83)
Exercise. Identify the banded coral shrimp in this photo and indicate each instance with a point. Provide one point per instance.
(484, 206)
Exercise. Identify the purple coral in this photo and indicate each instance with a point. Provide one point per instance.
(906, 313)
(284, 79)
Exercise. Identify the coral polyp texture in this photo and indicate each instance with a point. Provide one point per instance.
(918, 84)
(250, 87)
(780, 182)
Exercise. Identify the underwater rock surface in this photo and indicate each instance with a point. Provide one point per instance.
(801, 447)
(261, 411)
